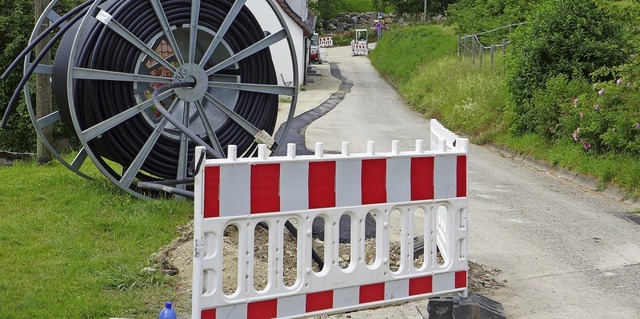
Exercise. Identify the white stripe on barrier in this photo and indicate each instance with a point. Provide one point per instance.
(247, 192)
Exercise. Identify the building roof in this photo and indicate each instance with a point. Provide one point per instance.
(308, 26)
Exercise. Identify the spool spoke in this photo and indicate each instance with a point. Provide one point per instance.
(118, 119)
(249, 51)
(224, 27)
(166, 29)
(54, 16)
(246, 125)
(120, 30)
(48, 119)
(132, 170)
(193, 30)
(92, 74)
(260, 88)
(79, 160)
(42, 69)
(213, 139)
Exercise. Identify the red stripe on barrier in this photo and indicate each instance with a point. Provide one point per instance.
(263, 309)
(371, 293)
(322, 184)
(422, 178)
(265, 188)
(461, 177)
(421, 285)
(212, 192)
(208, 314)
(319, 301)
(461, 279)
(374, 181)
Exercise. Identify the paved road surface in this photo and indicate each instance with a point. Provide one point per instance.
(565, 251)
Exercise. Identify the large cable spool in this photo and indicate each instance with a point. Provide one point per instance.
(111, 57)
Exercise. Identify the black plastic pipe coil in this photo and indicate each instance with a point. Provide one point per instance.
(102, 49)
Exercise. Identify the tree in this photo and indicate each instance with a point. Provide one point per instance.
(327, 9)
(16, 24)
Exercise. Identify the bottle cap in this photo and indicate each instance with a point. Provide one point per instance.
(168, 304)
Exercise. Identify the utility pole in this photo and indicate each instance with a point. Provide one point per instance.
(424, 16)
(43, 88)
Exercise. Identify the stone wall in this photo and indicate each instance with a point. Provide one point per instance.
(349, 21)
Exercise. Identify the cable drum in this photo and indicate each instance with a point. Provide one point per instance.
(207, 63)
(102, 49)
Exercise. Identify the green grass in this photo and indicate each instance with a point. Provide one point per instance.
(403, 51)
(465, 97)
(72, 248)
(422, 63)
(621, 170)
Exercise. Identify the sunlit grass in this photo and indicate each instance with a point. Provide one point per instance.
(72, 248)
(620, 170)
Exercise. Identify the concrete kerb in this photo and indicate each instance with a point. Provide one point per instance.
(589, 182)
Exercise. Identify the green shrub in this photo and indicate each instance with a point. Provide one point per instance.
(475, 16)
(548, 105)
(605, 120)
(573, 38)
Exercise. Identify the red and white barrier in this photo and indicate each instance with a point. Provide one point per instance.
(325, 42)
(245, 192)
(359, 48)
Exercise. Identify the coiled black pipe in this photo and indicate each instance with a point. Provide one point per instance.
(95, 101)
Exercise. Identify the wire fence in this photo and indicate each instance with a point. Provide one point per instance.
(471, 46)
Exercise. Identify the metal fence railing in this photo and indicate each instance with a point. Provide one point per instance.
(473, 47)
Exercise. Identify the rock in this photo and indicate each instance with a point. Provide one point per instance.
(4, 162)
(149, 270)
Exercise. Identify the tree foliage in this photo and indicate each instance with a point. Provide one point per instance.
(326, 10)
(573, 38)
(475, 16)
(16, 24)
(434, 7)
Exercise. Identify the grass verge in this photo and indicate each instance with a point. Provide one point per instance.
(74, 249)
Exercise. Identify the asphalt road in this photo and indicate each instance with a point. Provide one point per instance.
(565, 251)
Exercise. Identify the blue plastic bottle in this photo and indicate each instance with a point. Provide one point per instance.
(167, 312)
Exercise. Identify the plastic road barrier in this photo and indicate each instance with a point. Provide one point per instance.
(410, 194)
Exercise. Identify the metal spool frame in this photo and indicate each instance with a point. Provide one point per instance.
(200, 53)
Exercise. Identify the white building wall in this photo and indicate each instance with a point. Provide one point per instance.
(280, 51)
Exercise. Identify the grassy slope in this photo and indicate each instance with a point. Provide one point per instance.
(73, 249)
(421, 62)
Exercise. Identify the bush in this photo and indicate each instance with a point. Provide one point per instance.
(548, 105)
(606, 119)
(475, 16)
(571, 38)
